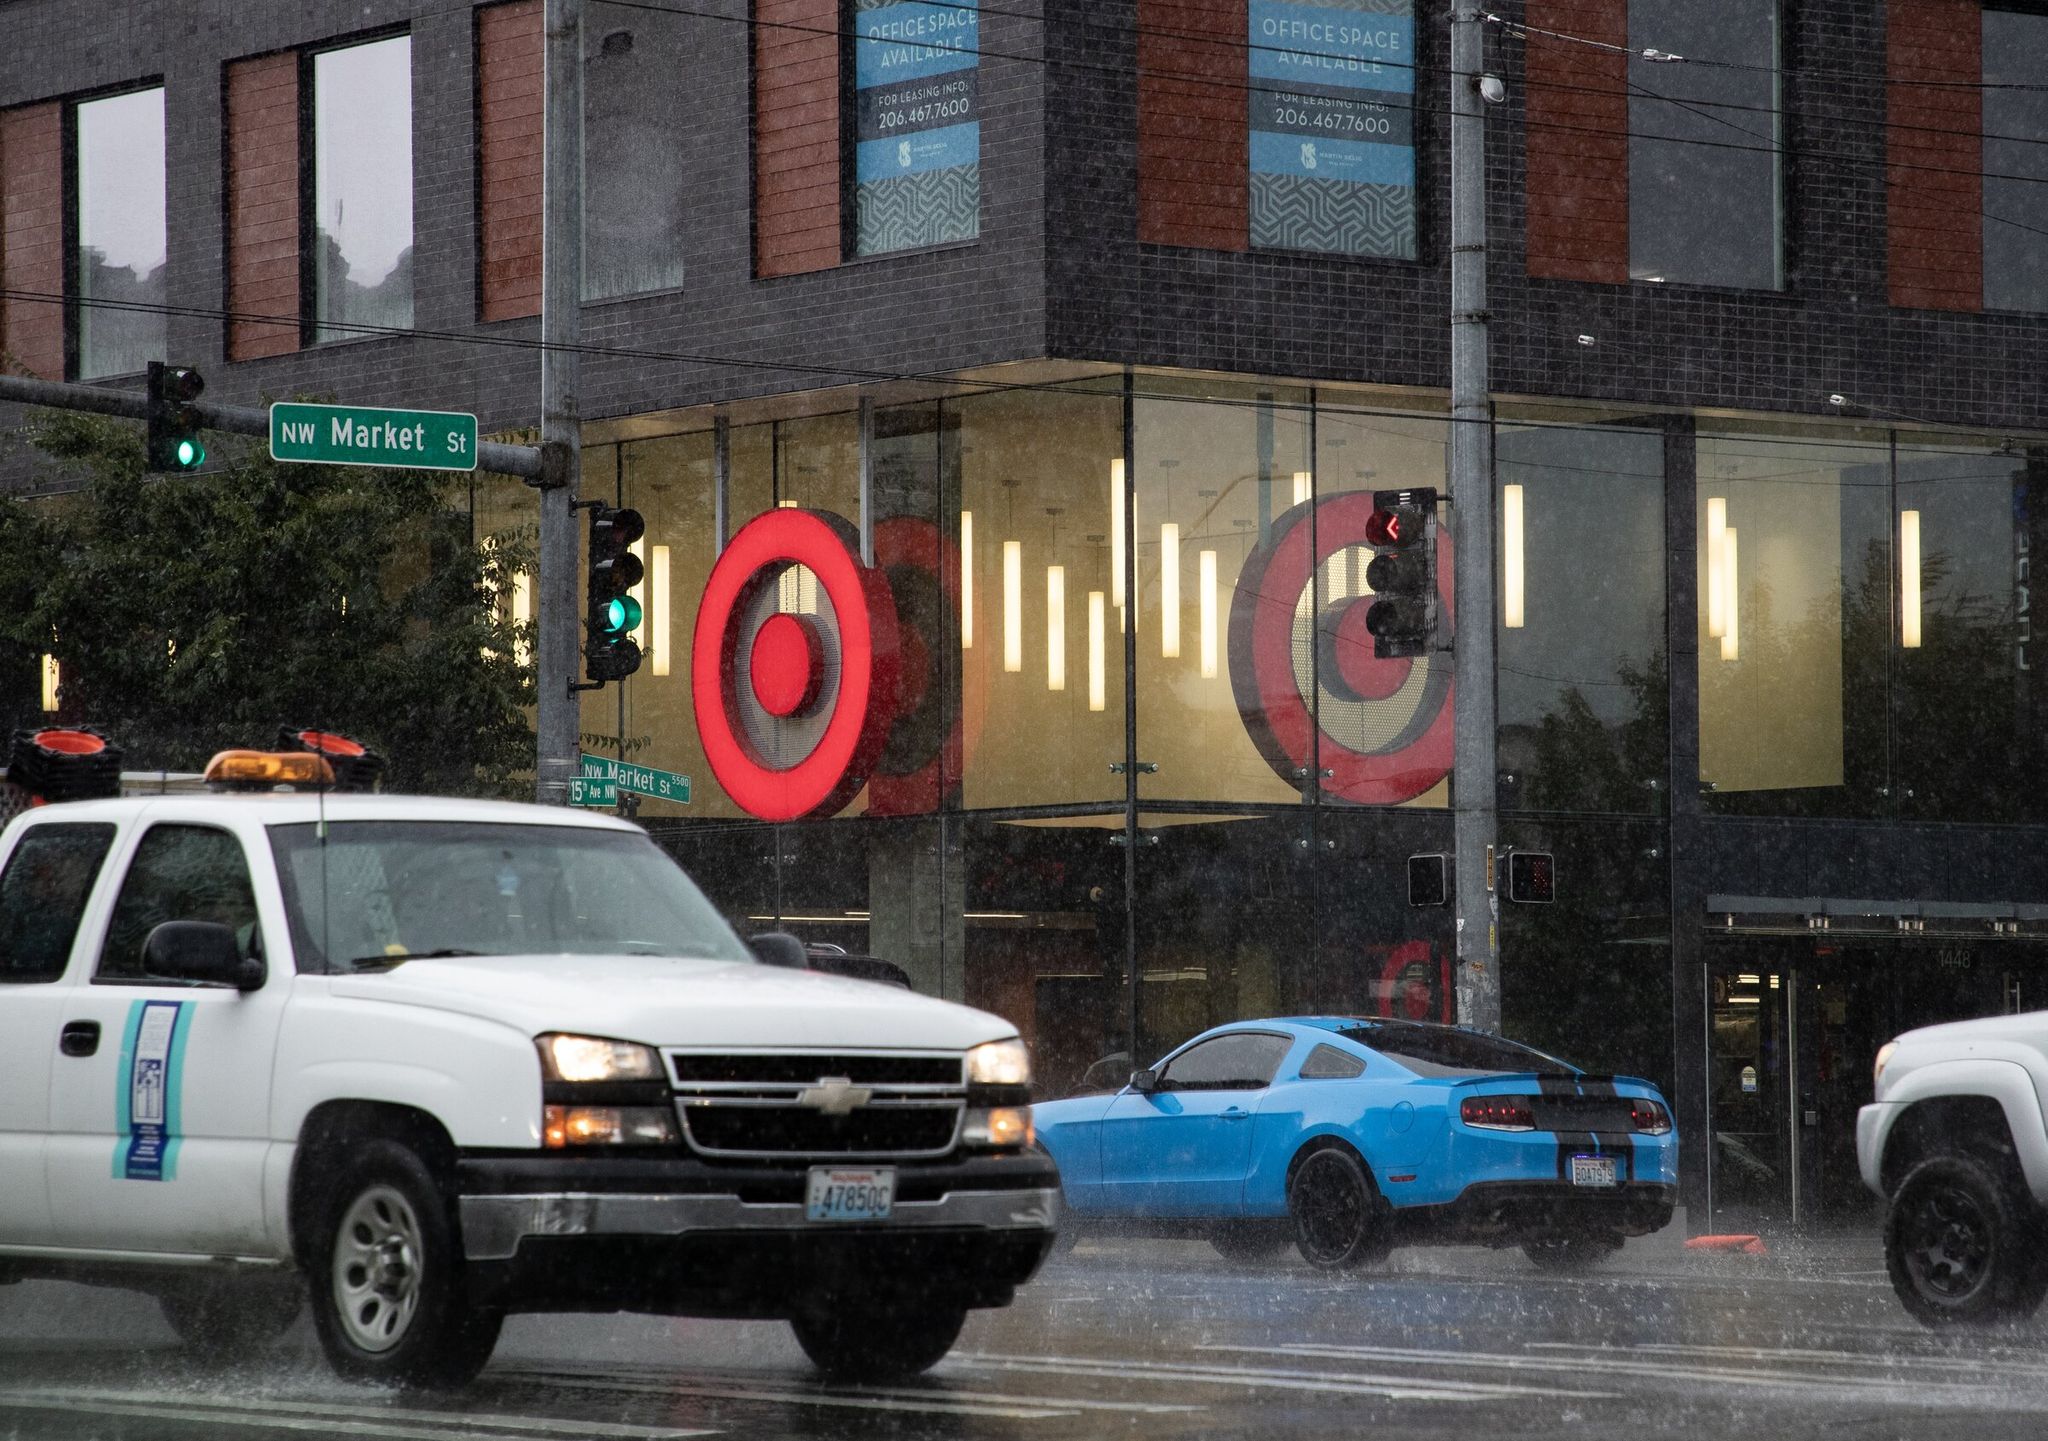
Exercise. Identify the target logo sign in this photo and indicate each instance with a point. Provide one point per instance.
(1310, 689)
(1414, 985)
(794, 666)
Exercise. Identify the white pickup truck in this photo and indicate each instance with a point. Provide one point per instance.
(429, 1062)
(1957, 1144)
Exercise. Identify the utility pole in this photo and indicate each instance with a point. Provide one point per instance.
(559, 728)
(1473, 779)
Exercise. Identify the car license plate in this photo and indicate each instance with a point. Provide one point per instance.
(1586, 1171)
(836, 1193)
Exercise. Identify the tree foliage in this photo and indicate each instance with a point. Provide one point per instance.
(194, 613)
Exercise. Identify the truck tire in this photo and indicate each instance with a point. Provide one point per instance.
(879, 1346)
(1340, 1221)
(230, 1320)
(387, 1276)
(1959, 1242)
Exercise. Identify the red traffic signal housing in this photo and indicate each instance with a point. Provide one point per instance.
(1402, 578)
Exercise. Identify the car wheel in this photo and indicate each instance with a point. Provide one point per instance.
(1339, 1220)
(1247, 1246)
(1570, 1255)
(229, 1320)
(387, 1277)
(1959, 1242)
(878, 1346)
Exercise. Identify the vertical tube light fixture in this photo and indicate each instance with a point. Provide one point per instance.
(51, 680)
(1013, 605)
(1116, 532)
(522, 612)
(967, 580)
(657, 611)
(1169, 591)
(1208, 583)
(1097, 622)
(1909, 579)
(1055, 627)
(1731, 632)
(1513, 613)
(1717, 563)
(1304, 485)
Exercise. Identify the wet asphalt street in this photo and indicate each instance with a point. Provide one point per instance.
(1136, 1339)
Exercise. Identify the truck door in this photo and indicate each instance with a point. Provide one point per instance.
(159, 1130)
(44, 886)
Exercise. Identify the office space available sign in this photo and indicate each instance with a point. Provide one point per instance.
(917, 166)
(1333, 126)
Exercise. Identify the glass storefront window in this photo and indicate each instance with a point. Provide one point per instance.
(121, 232)
(2015, 99)
(362, 188)
(1704, 145)
(1583, 689)
(1794, 572)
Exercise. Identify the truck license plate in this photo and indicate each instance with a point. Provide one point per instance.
(1586, 1171)
(836, 1193)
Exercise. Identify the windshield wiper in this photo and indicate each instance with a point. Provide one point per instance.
(387, 961)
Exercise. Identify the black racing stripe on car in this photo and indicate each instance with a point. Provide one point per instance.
(1620, 1143)
(1597, 1086)
(1558, 1085)
(1570, 1144)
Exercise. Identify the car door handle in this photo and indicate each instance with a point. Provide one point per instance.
(79, 1038)
(1235, 1113)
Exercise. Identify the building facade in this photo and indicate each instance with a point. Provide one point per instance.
(1005, 389)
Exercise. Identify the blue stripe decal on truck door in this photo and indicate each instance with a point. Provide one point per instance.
(147, 1102)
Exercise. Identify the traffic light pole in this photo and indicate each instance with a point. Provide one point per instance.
(1474, 766)
(556, 614)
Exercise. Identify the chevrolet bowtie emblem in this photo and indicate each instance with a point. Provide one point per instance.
(834, 1095)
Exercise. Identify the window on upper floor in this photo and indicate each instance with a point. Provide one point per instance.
(636, 140)
(116, 265)
(360, 240)
(1705, 181)
(2015, 160)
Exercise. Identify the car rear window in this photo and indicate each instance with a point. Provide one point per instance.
(1433, 1051)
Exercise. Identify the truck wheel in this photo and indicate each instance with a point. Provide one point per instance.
(231, 1320)
(1958, 1241)
(387, 1276)
(1570, 1255)
(1339, 1220)
(878, 1347)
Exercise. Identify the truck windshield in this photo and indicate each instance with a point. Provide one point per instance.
(375, 892)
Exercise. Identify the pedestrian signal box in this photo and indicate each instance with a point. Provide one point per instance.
(1532, 877)
(1426, 883)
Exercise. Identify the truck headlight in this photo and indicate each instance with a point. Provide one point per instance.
(566, 1126)
(999, 1063)
(1884, 1058)
(592, 1058)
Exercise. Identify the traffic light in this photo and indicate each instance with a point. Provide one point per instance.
(1402, 577)
(608, 649)
(1532, 877)
(174, 444)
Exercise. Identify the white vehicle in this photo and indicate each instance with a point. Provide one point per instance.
(1957, 1144)
(428, 1062)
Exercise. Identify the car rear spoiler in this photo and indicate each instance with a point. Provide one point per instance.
(1579, 1082)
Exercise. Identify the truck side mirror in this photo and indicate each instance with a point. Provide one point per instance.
(1145, 1082)
(203, 952)
(780, 948)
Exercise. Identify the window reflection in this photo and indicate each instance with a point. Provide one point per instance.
(121, 232)
(635, 140)
(362, 188)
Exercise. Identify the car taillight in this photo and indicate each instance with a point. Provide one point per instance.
(1498, 1113)
(1649, 1116)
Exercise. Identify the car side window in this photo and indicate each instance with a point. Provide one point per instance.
(180, 873)
(1327, 1063)
(1240, 1061)
(42, 897)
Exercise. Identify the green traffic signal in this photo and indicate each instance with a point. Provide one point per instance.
(191, 454)
(622, 616)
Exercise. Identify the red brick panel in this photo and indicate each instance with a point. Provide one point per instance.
(1194, 122)
(32, 239)
(263, 205)
(1577, 145)
(1934, 188)
(796, 136)
(511, 111)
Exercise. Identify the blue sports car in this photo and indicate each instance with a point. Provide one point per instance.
(1353, 1136)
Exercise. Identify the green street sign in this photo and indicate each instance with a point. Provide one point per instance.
(592, 791)
(371, 435)
(642, 780)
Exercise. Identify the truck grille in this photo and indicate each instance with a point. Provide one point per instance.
(806, 1104)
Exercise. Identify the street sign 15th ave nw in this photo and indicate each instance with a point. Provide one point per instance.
(372, 435)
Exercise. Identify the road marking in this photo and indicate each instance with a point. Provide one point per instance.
(309, 1415)
(1003, 1407)
(2002, 1366)
(1266, 1377)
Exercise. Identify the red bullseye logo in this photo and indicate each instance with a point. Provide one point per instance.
(794, 666)
(1414, 985)
(1302, 668)
(942, 699)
